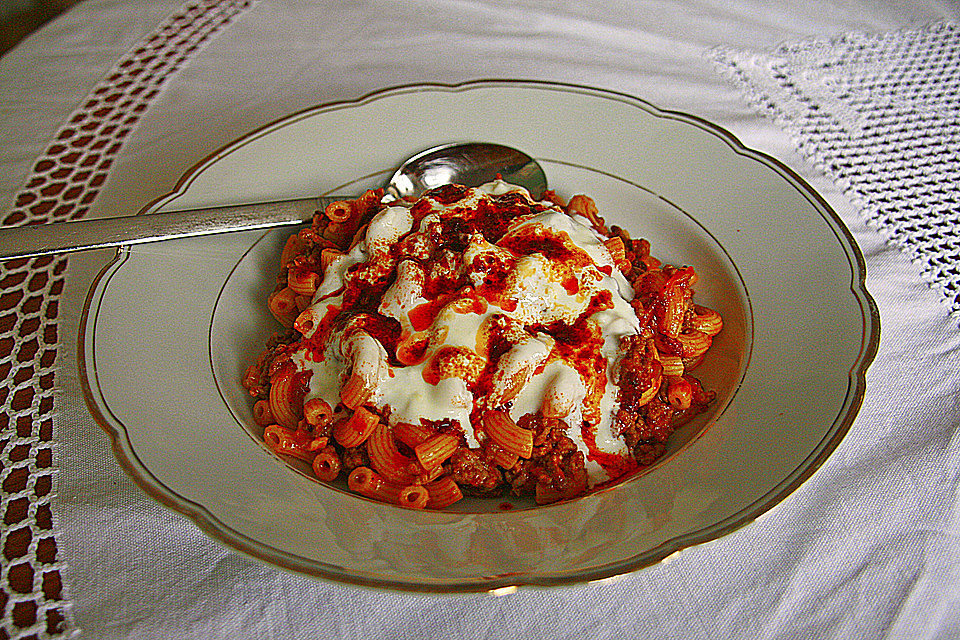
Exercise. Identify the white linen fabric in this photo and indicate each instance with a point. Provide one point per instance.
(869, 547)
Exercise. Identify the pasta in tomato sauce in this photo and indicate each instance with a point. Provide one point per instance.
(475, 342)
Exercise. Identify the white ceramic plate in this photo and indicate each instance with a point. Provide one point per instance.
(169, 328)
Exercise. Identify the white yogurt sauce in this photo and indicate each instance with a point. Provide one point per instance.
(540, 297)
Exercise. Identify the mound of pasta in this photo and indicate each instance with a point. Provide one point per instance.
(475, 342)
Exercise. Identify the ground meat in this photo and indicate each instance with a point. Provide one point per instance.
(646, 442)
(355, 457)
(652, 423)
(473, 472)
(647, 451)
(521, 478)
(639, 371)
(257, 377)
(658, 416)
(561, 467)
(556, 464)
(630, 426)
(541, 427)
(645, 423)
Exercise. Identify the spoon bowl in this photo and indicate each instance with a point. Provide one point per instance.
(470, 164)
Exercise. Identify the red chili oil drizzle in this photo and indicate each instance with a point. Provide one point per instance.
(580, 346)
(446, 194)
(383, 329)
(549, 245)
(554, 245)
(362, 294)
(420, 210)
(497, 342)
(417, 352)
(497, 345)
(444, 284)
(495, 274)
(316, 343)
(430, 374)
(490, 218)
(614, 464)
(299, 387)
(493, 216)
(572, 338)
(359, 297)
(423, 315)
(364, 287)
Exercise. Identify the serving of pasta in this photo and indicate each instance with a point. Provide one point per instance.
(477, 342)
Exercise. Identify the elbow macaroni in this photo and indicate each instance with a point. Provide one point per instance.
(475, 341)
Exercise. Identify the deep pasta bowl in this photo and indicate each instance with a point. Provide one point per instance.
(181, 422)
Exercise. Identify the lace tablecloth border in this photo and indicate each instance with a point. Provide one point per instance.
(879, 114)
(64, 182)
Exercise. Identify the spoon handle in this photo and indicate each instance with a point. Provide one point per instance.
(97, 233)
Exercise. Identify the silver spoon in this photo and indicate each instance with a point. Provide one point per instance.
(469, 164)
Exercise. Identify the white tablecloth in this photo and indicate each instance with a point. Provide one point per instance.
(869, 547)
